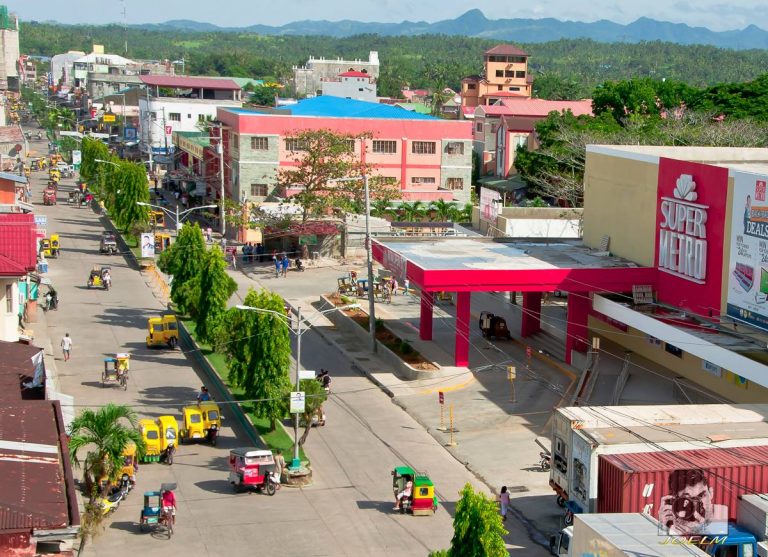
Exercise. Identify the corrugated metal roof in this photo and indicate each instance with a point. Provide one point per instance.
(33, 490)
(336, 107)
(13, 177)
(354, 74)
(506, 50)
(703, 458)
(18, 246)
(183, 82)
(16, 368)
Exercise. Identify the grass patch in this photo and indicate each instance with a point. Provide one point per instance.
(133, 244)
(277, 439)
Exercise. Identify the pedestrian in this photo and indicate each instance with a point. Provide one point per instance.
(260, 252)
(279, 464)
(285, 264)
(504, 500)
(66, 346)
(277, 262)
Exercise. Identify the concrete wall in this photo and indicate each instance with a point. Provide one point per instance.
(358, 88)
(308, 80)
(9, 320)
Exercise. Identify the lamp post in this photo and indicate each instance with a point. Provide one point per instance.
(179, 216)
(296, 462)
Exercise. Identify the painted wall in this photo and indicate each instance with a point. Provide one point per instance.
(359, 88)
(9, 320)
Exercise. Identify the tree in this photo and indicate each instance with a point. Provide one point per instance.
(412, 211)
(444, 211)
(92, 149)
(130, 187)
(184, 260)
(314, 397)
(258, 346)
(107, 432)
(477, 527)
(213, 287)
(264, 95)
(380, 207)
(320, 159)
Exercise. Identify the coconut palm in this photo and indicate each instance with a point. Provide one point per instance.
(462, 215)
(443, 210)
(380, 207)
(412, 211)
(106, 432)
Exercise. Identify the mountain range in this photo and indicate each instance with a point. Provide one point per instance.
(474, 24)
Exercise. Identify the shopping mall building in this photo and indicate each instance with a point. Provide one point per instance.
(673, 265)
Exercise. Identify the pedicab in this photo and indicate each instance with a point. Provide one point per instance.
(150, 433)
(169, 437)
(202, 422)
(98, 276)
(49, 196)
(253, 469)
(55, 245)
(108, 243)
(157, 219)
(74, 198)
(493, 326)
(422, 500)
(162, 330)
(116, 370)
(152, 514)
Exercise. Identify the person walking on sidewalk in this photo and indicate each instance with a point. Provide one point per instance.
(504, 500)
(285, 262)
(66, 346)
(278, 263)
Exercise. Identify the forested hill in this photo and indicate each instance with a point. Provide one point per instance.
(418, 61)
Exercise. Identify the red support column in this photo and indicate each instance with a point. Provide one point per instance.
(463, 303)
(576, 329)
(531, 321)
(425, 320)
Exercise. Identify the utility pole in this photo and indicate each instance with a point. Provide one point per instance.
(221, 209)
(296, 462)
(369, 256)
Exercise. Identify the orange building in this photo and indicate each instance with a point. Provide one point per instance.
(506, 75)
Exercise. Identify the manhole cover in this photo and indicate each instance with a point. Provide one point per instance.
(518, 489)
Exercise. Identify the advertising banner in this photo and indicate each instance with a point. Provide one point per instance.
(489, 204)
(147, 245)
(690, 230)
(748, 265)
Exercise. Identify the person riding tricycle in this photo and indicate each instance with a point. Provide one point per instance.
(253, 468)
(202, 422)
(414, 491)
(116, 369)
(49, 196)
(108, 243)
(100, 277)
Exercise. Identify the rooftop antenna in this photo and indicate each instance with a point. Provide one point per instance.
(125, 28)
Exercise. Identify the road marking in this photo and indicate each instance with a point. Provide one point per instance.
(449, 389)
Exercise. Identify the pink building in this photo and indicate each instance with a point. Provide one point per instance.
(429, 158)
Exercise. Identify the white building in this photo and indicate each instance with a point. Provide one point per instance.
(179, 104)
(62, 67)
(9, 48)
(307, 80)
(351, 85)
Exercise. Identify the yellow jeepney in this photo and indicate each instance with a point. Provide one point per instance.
(162, 330)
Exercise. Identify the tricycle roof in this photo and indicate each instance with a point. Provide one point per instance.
(250, 452)
(403, 470)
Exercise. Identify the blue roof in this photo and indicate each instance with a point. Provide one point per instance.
(337, 107)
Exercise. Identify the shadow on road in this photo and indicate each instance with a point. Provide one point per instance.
(384, 507)
(170, 396)
(221, 487)
(131, 527)
(126, 317)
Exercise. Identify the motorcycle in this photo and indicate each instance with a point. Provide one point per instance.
(111, 501)
(51, 302)
(167, 455)
(545, 461)
(211, 434)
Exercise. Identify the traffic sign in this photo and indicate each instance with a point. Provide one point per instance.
(108, 118)
(168, 130)
(298, 402)
(441, 397)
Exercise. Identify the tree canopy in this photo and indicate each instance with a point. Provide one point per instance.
(184, 261)
(211, 289)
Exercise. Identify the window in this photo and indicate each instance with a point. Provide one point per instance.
(422, 180)
(454, 148)
(499, 73)
(174, 116)
(674, 350)
(189, 116)
(235, 141)
(514, 88)
(471, 86)
(259, 143)
(509, 73)
(455, 183)
(520, 73)
(258, 190)
(201, 118)
(388, 147)
(499, 87)
(479, 127)
(293, 144)
(9, 298)
(423, 148)
(350, 145)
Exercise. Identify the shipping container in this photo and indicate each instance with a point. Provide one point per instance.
(581, 434)
(637, 482)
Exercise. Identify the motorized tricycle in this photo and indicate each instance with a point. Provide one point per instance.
(74, 198)
(150, 433)
(49, 196)
(493, 326)
(253, 469)
(162, 242)
(116, 370)
(169, 437)
(55, 245)
(153, 513)
(157, 219)
(163, 330)
(202, 422)
(100, 277)
(130, 464)
(45, 247)
(108, 243)
(422, 499)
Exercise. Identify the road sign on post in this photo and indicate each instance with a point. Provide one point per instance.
(441, 397)
(298, 402)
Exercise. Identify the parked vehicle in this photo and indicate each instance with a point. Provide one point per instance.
(422, 500)
(251, 468)
(150, 433)
(55, 245)
(108, 243)
(163, 330)
(152, 512)
(493, 326)
(162, 242)
(169, 437)
(111, 501)
(581, 435)
(202, 422)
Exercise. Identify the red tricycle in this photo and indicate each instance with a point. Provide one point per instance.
(253, 468)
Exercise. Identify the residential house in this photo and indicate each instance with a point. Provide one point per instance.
(9, 50)
(505, 76)
(18, 257)
(12, 194)
(176, 103)
(428, 157)
(350, 85)
(307, 80)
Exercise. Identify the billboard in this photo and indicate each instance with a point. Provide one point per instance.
(147, 244)
(747, 298)
(690, 230)
(489, 204)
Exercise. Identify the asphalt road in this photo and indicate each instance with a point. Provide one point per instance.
(348, 509)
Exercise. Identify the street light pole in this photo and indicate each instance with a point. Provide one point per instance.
(369, 256)
(296, 462)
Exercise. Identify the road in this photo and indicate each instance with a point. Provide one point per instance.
(348, 509)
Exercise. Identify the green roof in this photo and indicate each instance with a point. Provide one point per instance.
(422, 481)
(419, 108)
(200, 138)
(403, 470)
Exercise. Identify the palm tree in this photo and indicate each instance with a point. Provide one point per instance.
(462, 215)
(443, 210)
(412, 211)
(380, 207)
(107, 431)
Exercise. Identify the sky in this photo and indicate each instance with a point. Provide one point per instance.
(718, 15)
